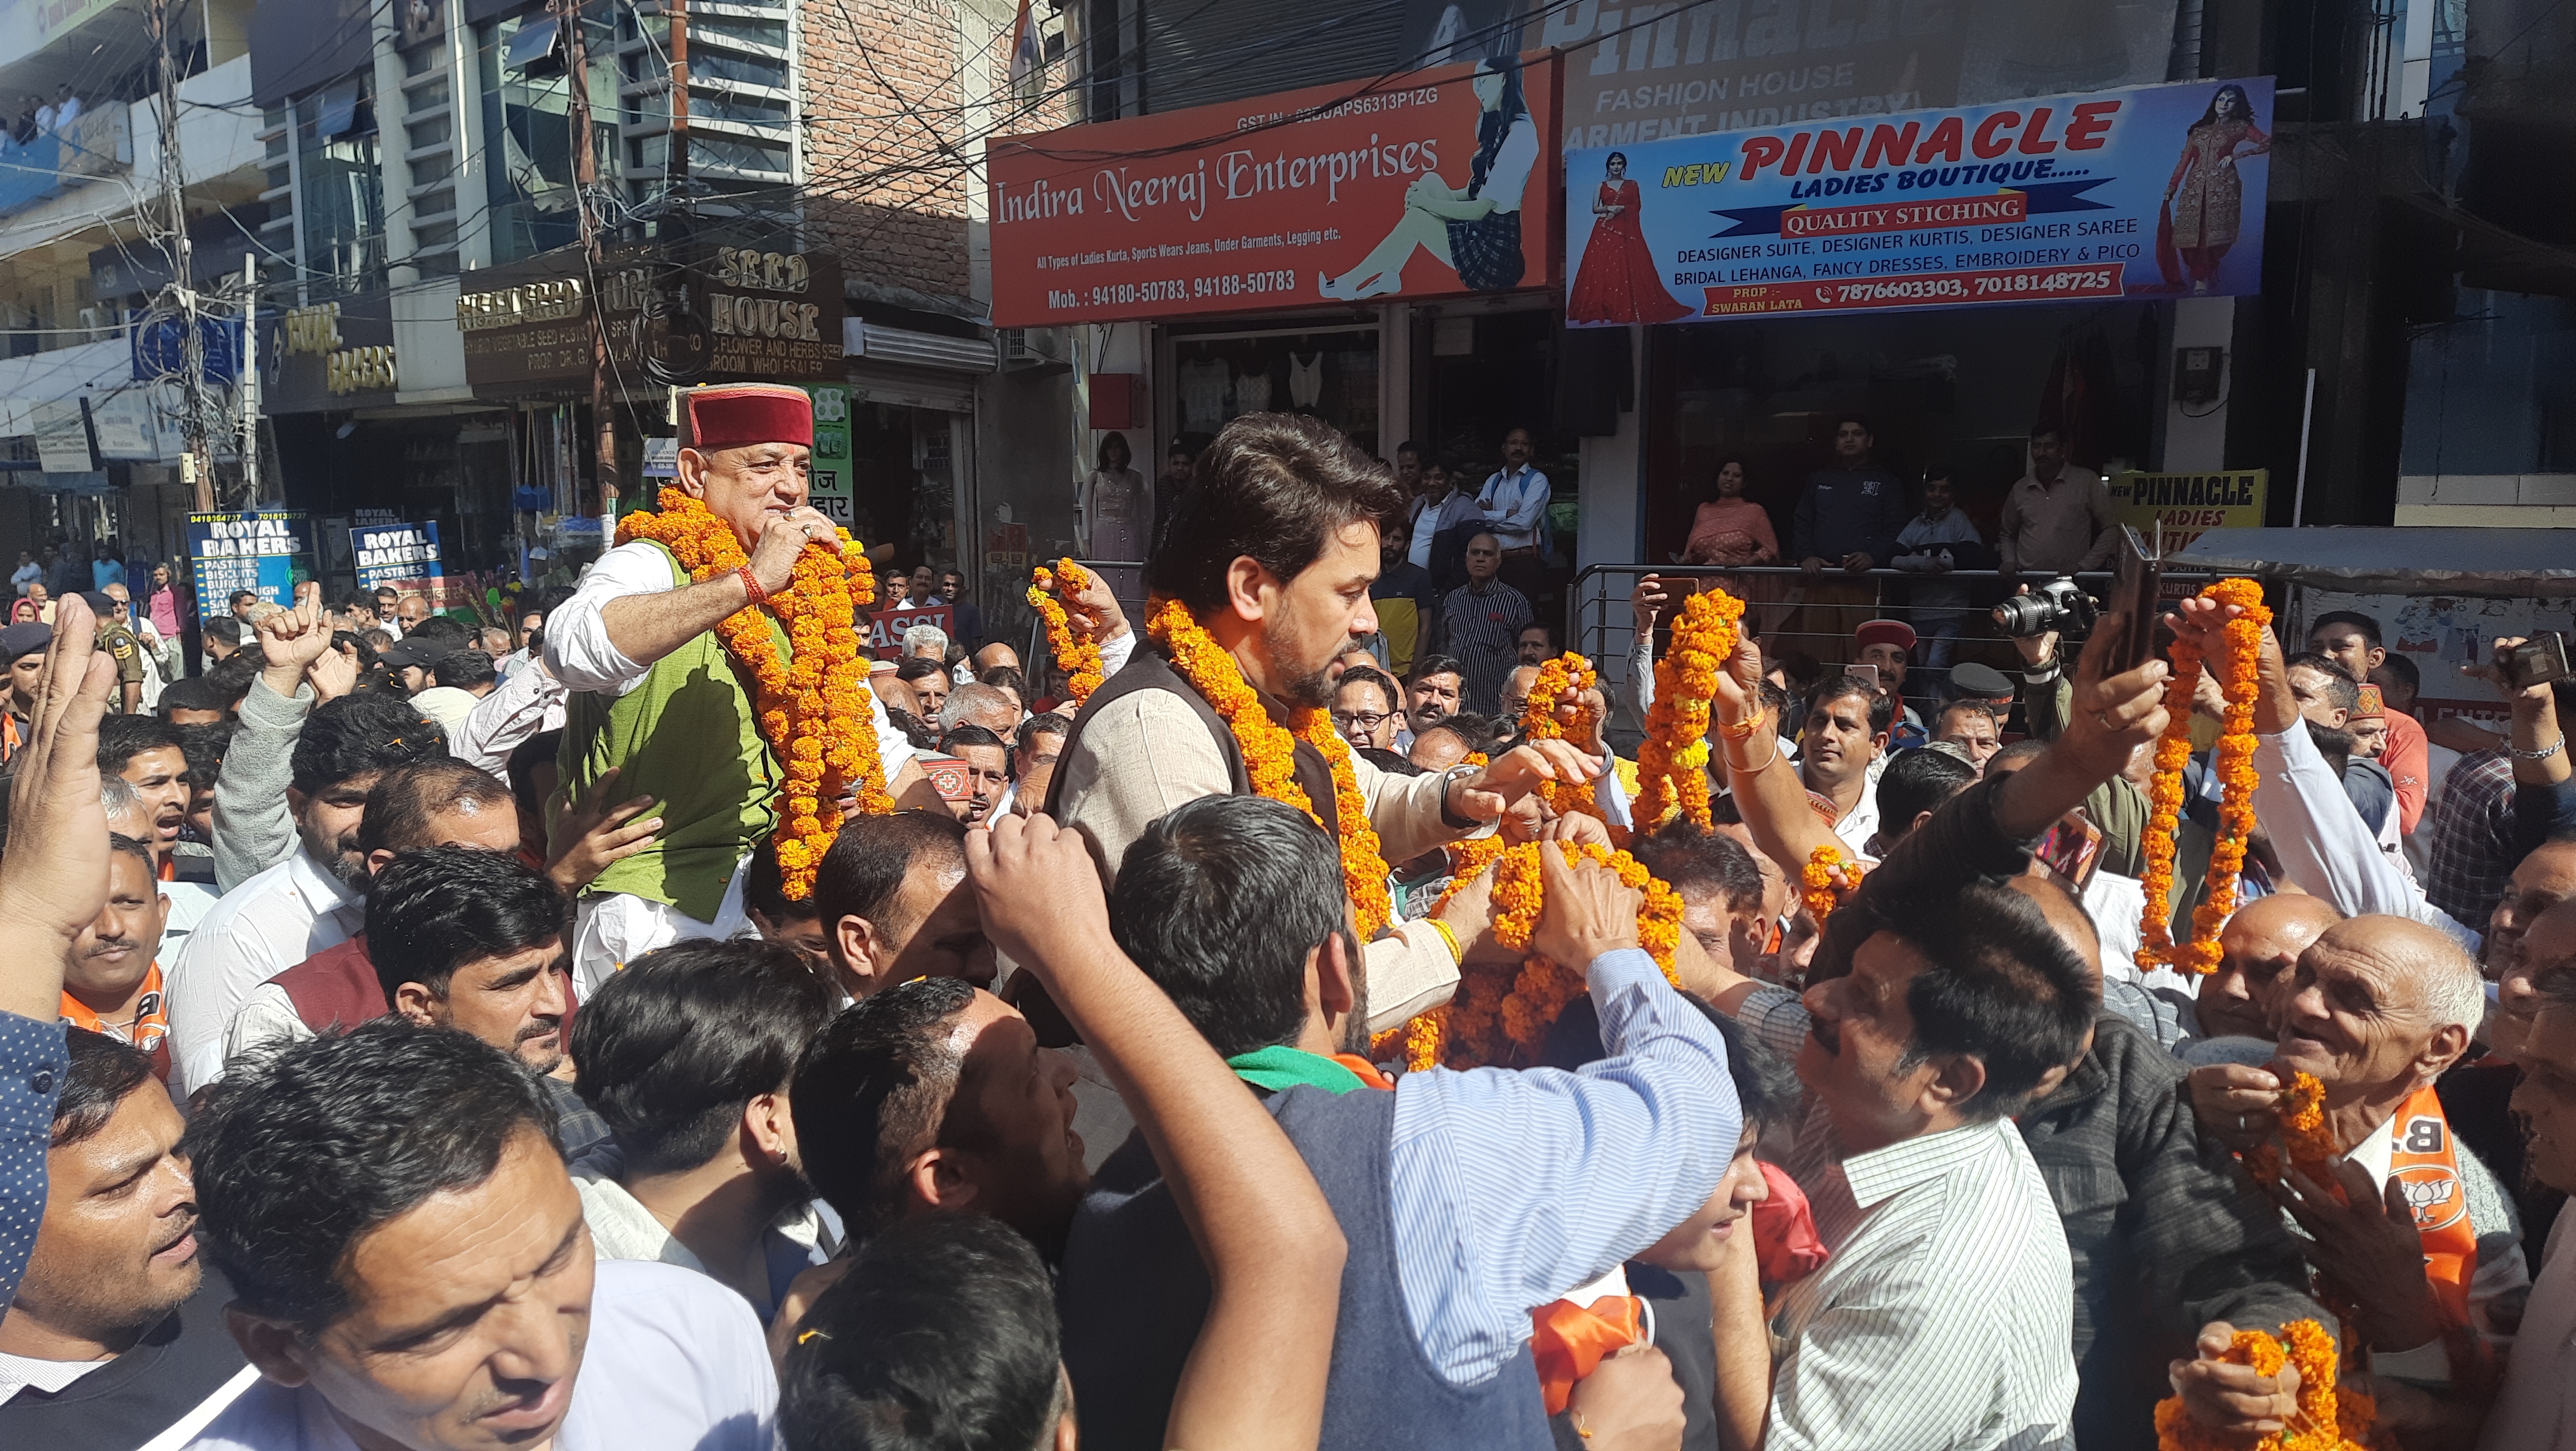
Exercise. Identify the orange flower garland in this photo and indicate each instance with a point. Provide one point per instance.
(2328, 1418)
(2303, 1132)
(1822, 895)
(1539, 722)
(813, 707)
(1078, 654)
(1270, 755)
(1672, 761)
(1524, 1001)
(2233, 759)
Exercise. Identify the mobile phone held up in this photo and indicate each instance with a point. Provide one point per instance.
(2536, 661)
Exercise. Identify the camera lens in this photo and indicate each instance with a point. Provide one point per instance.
(2025, 615)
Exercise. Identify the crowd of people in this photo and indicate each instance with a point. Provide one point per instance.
(418, 1035)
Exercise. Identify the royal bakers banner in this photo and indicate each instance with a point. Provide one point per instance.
(2153, 190)
(1431, 184)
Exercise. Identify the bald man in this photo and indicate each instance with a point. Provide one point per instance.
(2257, 948)
(2378, 1008)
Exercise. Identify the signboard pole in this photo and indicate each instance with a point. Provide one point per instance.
(249, 380)
(2307, 418)
(585, 173)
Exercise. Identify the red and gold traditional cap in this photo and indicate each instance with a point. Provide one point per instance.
(737, 415)
(2371, 706)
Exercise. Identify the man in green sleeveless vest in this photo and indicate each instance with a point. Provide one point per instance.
(656, 698)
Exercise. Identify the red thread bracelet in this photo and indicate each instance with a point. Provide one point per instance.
(751, 582)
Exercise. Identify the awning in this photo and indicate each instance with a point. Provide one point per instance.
(59, 374)
(2514, 563)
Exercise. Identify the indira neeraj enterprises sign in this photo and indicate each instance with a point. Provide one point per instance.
(741, 312)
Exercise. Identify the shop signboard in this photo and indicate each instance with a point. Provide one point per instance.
(62, 438)
(1342, 193)
(2147, 191)
(387, 553)
(329, 356)
(830, 486)
(711, 315)
(2188, 505)
(885, 630)
(265, 551)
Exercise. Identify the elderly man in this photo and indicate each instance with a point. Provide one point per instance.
(656, 695)
(2376, 1010)
(1479, 622)
(2232, 1014)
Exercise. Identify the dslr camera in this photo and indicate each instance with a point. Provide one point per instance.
(2058, 605)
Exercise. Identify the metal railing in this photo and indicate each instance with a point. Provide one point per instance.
(1792, 610)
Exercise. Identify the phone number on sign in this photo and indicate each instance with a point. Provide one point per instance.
(1174, 289)
(1941, 290)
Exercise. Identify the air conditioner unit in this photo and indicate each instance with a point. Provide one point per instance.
(1033, 347)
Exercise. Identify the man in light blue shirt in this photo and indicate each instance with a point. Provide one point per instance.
(1483, 1194)
(1514, 501)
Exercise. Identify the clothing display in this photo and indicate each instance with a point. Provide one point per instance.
(1618, 280)
(1305, 380)
(1202, 394)
(1251, 393)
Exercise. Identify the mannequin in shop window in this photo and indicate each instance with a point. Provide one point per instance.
(1110, 515)
(1476, 229)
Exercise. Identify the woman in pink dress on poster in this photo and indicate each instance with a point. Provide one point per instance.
(1617, 281)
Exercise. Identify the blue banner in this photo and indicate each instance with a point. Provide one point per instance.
(386, 553)
(2151, 191)
(265, 551)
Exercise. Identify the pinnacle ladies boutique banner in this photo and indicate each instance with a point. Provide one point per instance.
(1431, 184)
(2149, 191)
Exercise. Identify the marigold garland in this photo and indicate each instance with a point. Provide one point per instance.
(1822, 895)
(1539, 722)
(2328, 1418)
(813, 707)
(1270, 755)
(1672, 761)
(1079, 655)
(1523, 1001)
(2233, 759)
(2304, 1134)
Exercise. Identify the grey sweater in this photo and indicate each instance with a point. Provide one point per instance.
(254, 829)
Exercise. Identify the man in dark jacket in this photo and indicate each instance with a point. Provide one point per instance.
(1849, 515)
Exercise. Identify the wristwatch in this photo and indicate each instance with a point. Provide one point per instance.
(1449, 778)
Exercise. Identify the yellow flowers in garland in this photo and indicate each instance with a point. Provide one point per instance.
(1822, 895)
(813, 707)
(1079, 655)
(2328, 1418)
(1523, 1001)
(1270, 755)
(2233, 759)
(1672, 762)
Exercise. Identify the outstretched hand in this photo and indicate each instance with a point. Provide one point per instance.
(2230, 1398)
(2107, 721)
(1092, 609)
(1519, 771)
(53, 874)
(1588, 911)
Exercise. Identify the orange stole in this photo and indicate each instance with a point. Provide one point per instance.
(2423, 1159)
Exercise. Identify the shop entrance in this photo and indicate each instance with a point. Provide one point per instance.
(1328, 372)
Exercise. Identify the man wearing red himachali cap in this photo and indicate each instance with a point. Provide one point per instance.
(656, 698)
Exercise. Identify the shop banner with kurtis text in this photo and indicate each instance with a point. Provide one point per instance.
(1434, 183)
(2145, 191)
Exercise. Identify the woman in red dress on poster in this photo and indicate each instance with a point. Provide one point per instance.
(1617, 281)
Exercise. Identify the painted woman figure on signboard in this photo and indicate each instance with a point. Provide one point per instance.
(2205, 200)
(1475, 230)
(1617, 281)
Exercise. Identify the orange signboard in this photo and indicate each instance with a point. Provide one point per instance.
(1434, 183)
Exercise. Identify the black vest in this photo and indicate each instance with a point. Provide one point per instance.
(1134, 1293)
(1148, 670)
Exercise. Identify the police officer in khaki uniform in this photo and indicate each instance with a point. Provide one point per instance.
(116, 637)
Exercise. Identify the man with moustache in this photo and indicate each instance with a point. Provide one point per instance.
(311, 900)
(410, 1268)
(2258, 948)
(117, 1334)
(111, 978)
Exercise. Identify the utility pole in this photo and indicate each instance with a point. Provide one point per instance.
(677, 167)
(585, 175)
(250, 378)
(174, 218)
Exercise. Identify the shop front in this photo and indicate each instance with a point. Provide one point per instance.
(1377, 255)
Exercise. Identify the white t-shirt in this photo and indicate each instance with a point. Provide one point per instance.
(673, 1359)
